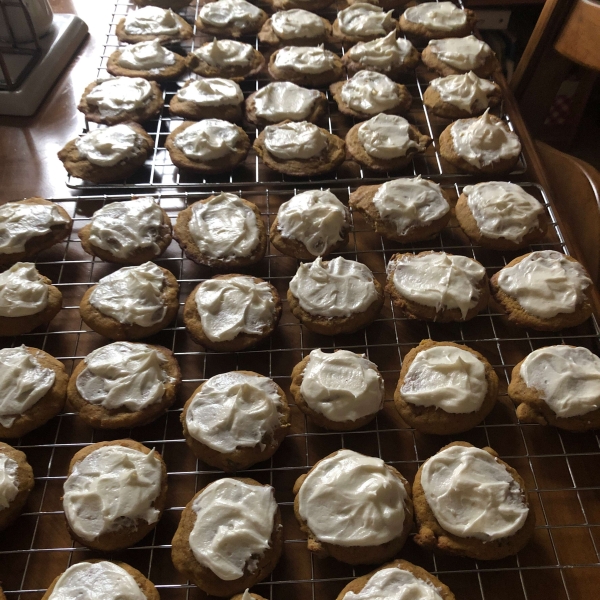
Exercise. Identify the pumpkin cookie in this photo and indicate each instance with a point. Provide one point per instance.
(16, 475)
(435, 20)
(153, 23)
(229, 59)
(230, 18)
(296, 27)
(362, 22)
(208, 98)
(310, 67)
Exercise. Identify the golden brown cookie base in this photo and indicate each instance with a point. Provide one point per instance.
(349, 40)
(192, 111)
(318, 109)
(24, 485)
(268, 37)
(234, 72)
(185, 33)
(431, 60)
(165, 73)
(420, 32)
(446, 110)
(231, 31)
(310, 80)
(394, 72)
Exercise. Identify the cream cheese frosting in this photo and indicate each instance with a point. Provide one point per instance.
(309, 61)
(297, 23)
(567, 378)
(146, 56)
(119, 94)
(96, 581)
(132, 295)
(229, 307)
(112, 488)
(234, 410)
(545, 283)
(386, 136)
(353, 500)
(23, 382)
(316, 218)
(207, 140)
(230, 13)
(382, 53)
(123, 375)
(472, 495)
(467, 92)
(437, 16)
(443, 281)
(22, 293)
(212, 91)
(410, 203)
(449, 378)
(503, 210)
(484, 140)
(109, 146)
(224, 53)
(9, 484)
(292, 141)
(224, 227)
(370, 92)
(338, 288)
(20, 223)
(233, 528)
(365, 20)
(464, 53)
(283, 100)
(152, 20)
(342, 386)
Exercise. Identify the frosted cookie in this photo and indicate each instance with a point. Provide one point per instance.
(108, 154)
(341, 391)
(226, 58)
(314, 5)
(114, 580)
(362, 22)
(331, 502)
(545, 290)
(33, 389)
(247, 595)
(210, 147)
(114, 494)
(445, 388)
(124, 385)
(153, 23)
(173, 4)
(120, 100)
(398, 579)
(296, 27)
(208, 98)
(484, 145)
(468, 502)
(16, 482)
(235, 420)
(334, 297)
(369, 93)
(313, 223)
(222, 232)
(230, 18)
(229, 313)
(131, 303)
(27, 300)
(434, 20)
(388, 55)
(455, 56)
(284, 101)
(300, 149)
(385, 143)
(311, 67)
(129, 233)
(559, 386)
(27, 227)
(149, 60)
(404, 210)
(461, 96)
(229, 537)
(437, 286)
(500, 215)
(385, 4)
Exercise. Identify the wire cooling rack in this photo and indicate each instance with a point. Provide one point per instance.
(560, 469)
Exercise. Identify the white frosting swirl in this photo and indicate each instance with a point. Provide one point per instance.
(297, 23)
(20, 223)
(123, 376)
(305, 60)
(9, 485)
(437, 16)
(365, 20)
(96, 581)
(449, 378)
(386, 136)
(152, 20)
(382, 53)
(230, 13)
(225, 53)
(208, 140)
(212, 91)
(108, 146)
(123, 228)
(465, 54)
(229, 307)
(22, 293)
(473, 495)
(111, 488)
(132, 295)
(295, 141)
(545, 283)
(353, 500)
(468, 92)
(410, 203)
(566, 378)
(443, 281)
(370, 92)
(342, 386)
(234, 410)
(283, 100)
(503, 210)
(233, 528)
(119, 94)
(338, 288)
(224, 227)
(23, 382)
(146, 56)
(316, 218)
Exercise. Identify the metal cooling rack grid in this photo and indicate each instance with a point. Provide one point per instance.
(560, 469)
